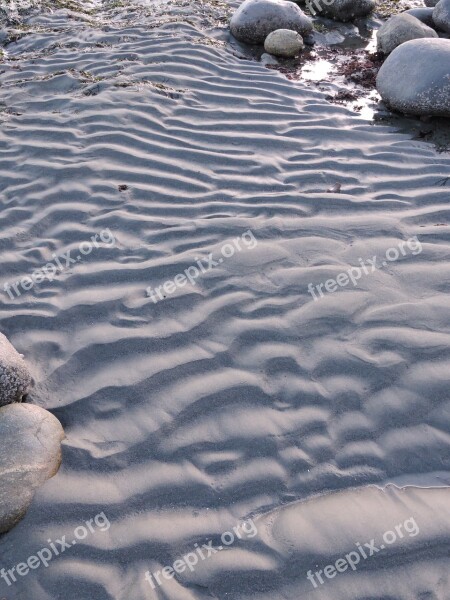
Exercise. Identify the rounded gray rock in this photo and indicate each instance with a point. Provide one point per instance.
(441, 15)
(15, 379)
(423, 14)
(30, 453)
(415, 78)
(255, 19)
(284, 42)
(431, 3)
(341, 10)
(400, 29)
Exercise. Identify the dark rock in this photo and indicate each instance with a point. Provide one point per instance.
(341, 10)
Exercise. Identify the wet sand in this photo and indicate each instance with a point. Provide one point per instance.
(238, 396)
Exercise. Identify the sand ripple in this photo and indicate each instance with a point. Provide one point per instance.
(241, 394)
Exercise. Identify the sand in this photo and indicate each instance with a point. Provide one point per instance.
(239, 395)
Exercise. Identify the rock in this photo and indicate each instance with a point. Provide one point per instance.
(441, 15)
(255, 19)
(431, 3)
(334, 37)
(30, 453)
(415, 78)
(268, 59)
(341, 10)
(335, 189)
(15, 379)
(423, 14)
(400, 29)
(284, 42)
(308, 39)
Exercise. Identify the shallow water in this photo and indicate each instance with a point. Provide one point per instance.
(237, 396)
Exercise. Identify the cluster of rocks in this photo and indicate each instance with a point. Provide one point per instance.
(414, 24)
(415, 77)
(30, 439)
(278, 24)
(281, 25)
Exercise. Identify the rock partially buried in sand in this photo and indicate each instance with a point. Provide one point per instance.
(30, 453)
(441, 15)
(255, 19)
(268, 59)
(342, 10)
(15, 379)
(400, 29)
(415, 78)
(284, 42)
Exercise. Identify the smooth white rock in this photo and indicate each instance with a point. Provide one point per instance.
(30, 453)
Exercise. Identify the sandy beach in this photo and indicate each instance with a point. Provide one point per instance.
(151, 150)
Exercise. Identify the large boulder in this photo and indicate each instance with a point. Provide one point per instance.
(415, 78)
(431, 3)
(30, 453)
(423, 14)
(441, 15)
(15, 379)
(341, 10)
(400, 29)
(284, 42)
(255, 19)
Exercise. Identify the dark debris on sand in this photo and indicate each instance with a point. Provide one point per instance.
(362, 69)
(355, 69)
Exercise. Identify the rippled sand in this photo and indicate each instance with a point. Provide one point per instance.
(239, 397)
